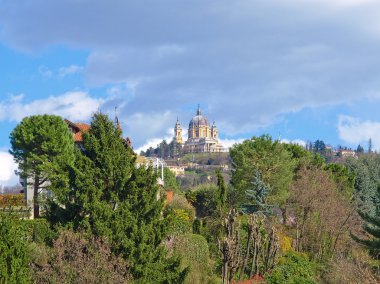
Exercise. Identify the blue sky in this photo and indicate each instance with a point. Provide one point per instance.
(297, 69)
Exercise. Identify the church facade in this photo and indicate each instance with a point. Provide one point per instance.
(202, 138)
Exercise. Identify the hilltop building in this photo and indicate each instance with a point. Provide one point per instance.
(202, 138)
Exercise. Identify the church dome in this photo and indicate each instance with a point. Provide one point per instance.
(198, 120)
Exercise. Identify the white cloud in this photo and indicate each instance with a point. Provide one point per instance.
(228, 143)
(299, 142)
(69, 70)
(356, 131)
(146, 128)
(7, 169)
(154, 142)
(77, 106)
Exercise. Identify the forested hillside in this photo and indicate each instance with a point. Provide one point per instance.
(281, 214)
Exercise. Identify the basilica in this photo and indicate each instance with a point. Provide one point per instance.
(201, 137)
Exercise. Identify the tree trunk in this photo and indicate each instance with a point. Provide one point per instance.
(247, 252)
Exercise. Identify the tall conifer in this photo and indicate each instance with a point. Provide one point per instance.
(112, 198)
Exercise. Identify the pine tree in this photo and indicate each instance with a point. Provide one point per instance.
(111, 198)
(43, 147)
(257, 195)
(372, 228)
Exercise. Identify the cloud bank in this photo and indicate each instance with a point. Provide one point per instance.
(248, 62)
(76, 106)
(356, 131)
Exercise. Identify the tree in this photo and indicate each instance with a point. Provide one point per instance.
(222, 191)
(111, 198)
(43, 147)
(372, 228)
(322, 213)
(270, 158)
(370, 145)
(319, 146)
(256, 195)
(367, 175)
(360, 149)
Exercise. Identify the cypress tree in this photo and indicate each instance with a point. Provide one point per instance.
(222, 190)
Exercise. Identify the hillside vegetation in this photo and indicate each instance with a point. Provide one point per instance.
(278, 214)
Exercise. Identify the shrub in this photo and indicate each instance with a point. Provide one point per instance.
(194, 251)
(180, 202)
(80, 258)
(14, 251)
(204, 199)
(12, 200)
(293, 268)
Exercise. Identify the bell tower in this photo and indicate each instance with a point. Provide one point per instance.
(214, 131)
(178, 132)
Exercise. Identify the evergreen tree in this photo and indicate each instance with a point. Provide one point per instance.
(370, 145)
(319, 146)
(111, 198)
(257, 195)
(43, 147)
(360, 149)
(222, 191)
(372, 228)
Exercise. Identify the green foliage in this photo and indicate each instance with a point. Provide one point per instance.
(343, 177)
(270, 158)
(256, 195)
(292, 268)
(43, 147)
(108, 197)
(303, 157)
(180, 202)
(164, 150)
(372, 228)
(180, 222)
(367, 171)
(205, 200)
(39, 231)
(181, 214)
(222, 191)
(170, 181)
(14, 251)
